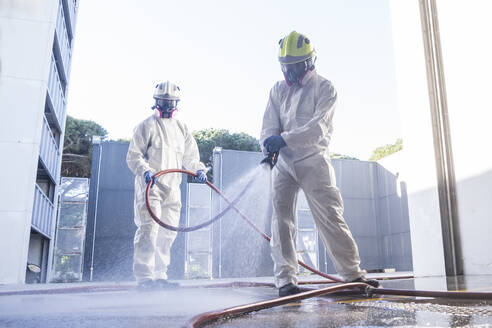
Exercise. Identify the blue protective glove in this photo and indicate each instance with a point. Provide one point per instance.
(201, 176)
(148, 178)
(274, 143)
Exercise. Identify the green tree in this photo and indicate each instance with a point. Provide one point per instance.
(77, 146)
(340, 156)
(386, 150)
(123, 140)
(208, 139)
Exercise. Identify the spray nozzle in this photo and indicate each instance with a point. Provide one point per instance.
(271, 159)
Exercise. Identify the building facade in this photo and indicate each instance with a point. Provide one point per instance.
(36, 39)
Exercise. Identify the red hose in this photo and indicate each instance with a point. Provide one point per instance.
(196, 227)
(231, 205)
(211, 316)
(208, 317)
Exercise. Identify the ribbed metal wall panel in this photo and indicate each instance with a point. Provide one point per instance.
(42, 213)
(49, 152)
(110, 225)
(238, 250)
(55, 93)
(63, 43)
(374, 209)
(70, 7)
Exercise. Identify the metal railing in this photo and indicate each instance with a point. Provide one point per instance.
(55, 92)
(48, 151)
(71, 15)
(63, 42)
(42, 213)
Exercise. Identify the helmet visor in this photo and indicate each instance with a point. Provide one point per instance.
(294, 72)
(166, 104)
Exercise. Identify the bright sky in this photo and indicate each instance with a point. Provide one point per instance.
(223, 55)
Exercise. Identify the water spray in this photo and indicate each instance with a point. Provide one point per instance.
(232, 205)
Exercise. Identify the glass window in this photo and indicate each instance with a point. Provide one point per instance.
(72, 215)
(304, 219)
(68, 268)
(69, 240)
(197, 265)
(198, 241)
(199, 195)
(307, 248)
(198, 215)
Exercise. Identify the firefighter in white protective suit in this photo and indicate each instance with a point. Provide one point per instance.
(298, 123)
(160, 142)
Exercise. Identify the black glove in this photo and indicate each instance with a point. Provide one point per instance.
(274, 143)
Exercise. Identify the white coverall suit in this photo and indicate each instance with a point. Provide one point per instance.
(158, 144)
(303, 115)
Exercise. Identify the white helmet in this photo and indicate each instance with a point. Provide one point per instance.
(166, 90)
(166, 95)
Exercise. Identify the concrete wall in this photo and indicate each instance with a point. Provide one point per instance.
(418, 152)
(26, 39)
(468, 68)
(464, 31)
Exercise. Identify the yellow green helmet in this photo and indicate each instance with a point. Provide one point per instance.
(295, 48)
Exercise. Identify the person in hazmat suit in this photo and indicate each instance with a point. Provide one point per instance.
(160, 142)
(298, 123)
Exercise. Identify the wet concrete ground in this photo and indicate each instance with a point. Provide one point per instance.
(121, 305)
